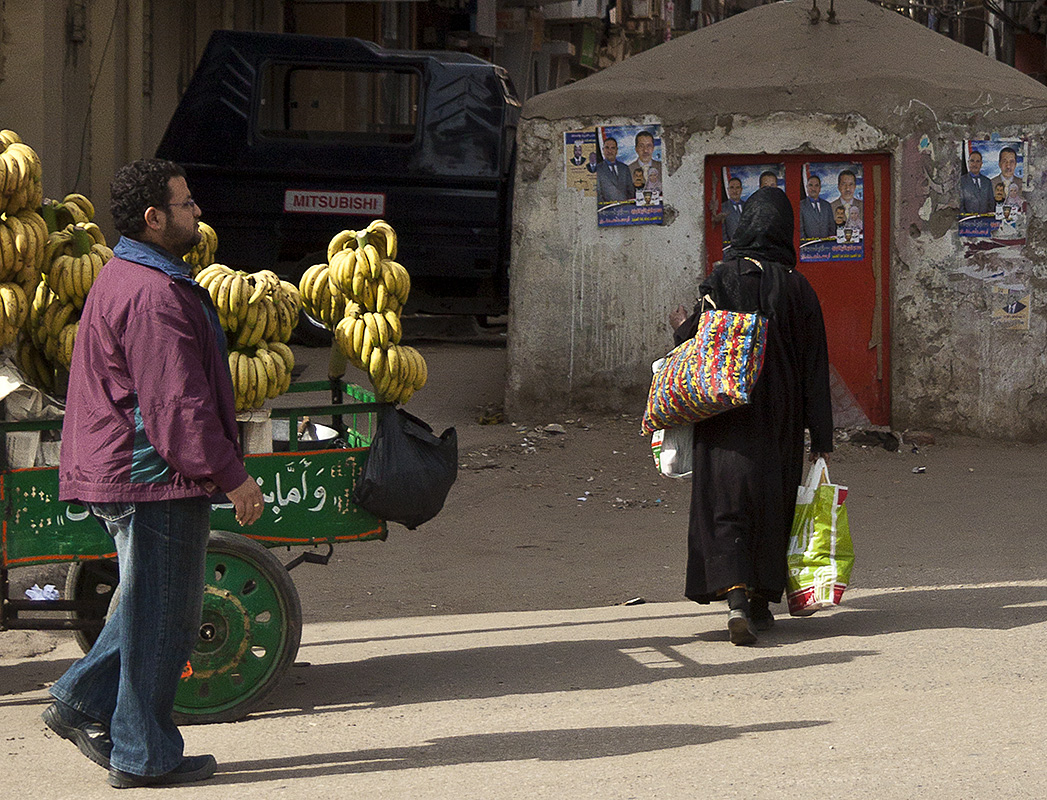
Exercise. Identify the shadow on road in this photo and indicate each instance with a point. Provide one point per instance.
(1000, 608)
(548, 745)
(485, 672)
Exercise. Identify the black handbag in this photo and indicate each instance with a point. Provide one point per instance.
(409, 470)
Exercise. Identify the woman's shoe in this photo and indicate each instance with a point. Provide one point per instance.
(740, 627)
(761, 616)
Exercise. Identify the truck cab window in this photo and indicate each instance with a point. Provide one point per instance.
(363, 106)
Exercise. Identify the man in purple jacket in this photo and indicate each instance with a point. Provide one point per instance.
(149, 437)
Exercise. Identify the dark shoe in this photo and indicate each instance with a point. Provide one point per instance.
(740, 627)
(761, 616)
(192, 769)
(90, 736)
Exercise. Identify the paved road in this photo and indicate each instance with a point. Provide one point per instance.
(927, 683)
(931, 692)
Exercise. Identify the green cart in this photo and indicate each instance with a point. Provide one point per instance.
(252, 617)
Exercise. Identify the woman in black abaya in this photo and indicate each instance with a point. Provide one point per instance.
(748, 462)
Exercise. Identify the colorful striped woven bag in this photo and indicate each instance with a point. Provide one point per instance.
(710, 373)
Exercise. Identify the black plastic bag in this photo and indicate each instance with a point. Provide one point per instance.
(409, 470)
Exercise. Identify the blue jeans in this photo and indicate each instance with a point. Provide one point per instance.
(130, 677)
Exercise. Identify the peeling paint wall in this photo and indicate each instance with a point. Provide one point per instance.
(954, 367)
(589, 305)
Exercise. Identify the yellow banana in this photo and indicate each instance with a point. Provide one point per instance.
(8, 256)
(259, 289)
(66, 338)
(396, 331)
(403, 281)
(376, 365)
(395, 366)
(268, 362)
(82, 203)
(72, 277)
(372, 326)
(261, 382)
(359, 326)
(423, 370)
(16, 306)
(94, 232)
(243, 379)
(366, 346)
(338, 242)
(261, 325)
(208, 273)
(9, 303)
(305, 285)
(343, 335)
(14, 172)
(386, 235)
(247, 328)
(20, 239)
(282, 372)
(384, 334)
(373, 260)
(272, 319)
(284, 353)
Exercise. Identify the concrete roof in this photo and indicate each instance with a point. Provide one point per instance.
(875, 63)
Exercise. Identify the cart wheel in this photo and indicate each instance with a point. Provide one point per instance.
(92, 585)
(250, 630)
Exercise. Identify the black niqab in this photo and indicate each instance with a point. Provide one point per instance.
(749, 461)
(765, 230)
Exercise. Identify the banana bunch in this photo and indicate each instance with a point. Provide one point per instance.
(53, 323)
(14, 311)
(265, 374)
(74, 257)
(321, 298)
(252, 307)
(23, 248)
(34, 366)
(71, 210)
(363, 268)
(203, 254)
(371, 343)
(20, 173)
(258, 312)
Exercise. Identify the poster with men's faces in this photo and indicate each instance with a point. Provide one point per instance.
(629, 175)
(991, 191)
(831, 224)
(580, 159)
(738, 182)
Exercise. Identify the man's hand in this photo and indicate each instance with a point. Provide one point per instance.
(248, 502)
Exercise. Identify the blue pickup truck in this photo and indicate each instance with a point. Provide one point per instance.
(288, 139)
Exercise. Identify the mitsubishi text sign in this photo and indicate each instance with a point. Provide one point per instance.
(312, 202)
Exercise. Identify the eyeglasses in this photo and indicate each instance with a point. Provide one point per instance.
(190, 203)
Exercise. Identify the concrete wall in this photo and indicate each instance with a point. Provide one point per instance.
(954, 368)
(589, 305)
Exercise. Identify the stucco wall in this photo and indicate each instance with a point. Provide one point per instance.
(589, 305)
(954, 367)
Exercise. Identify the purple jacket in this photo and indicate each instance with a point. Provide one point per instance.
(150, 410)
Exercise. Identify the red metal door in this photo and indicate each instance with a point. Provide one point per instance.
(851, 280)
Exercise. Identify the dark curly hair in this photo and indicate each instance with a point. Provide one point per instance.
(136, 187)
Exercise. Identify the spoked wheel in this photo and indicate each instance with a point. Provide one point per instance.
(92, 585)
(250, 630)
